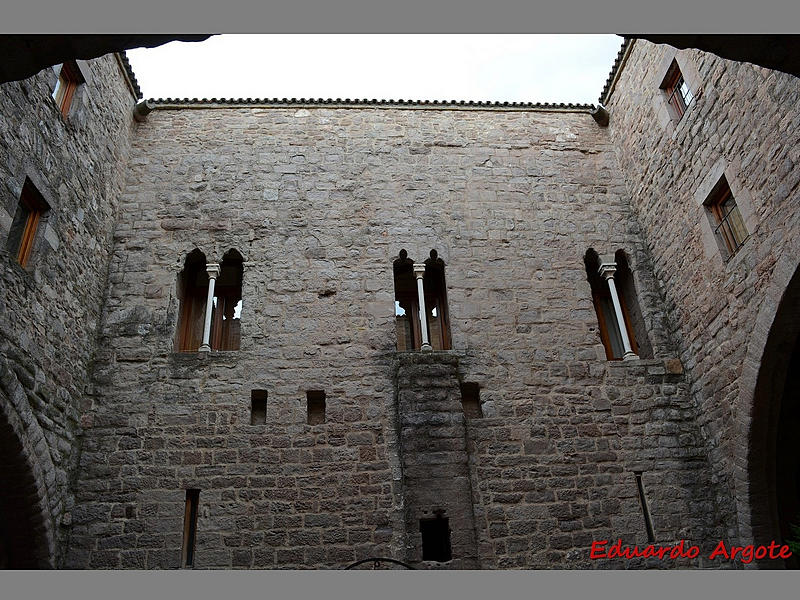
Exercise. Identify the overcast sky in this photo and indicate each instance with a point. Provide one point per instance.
(514, 68)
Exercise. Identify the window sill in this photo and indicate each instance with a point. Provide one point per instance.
(679, 123)
(427, 356)
(653, 366)
(736, 258)
(26, 272)
(196, 359)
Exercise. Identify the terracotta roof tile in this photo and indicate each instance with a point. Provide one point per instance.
(129, 71)
(614, 70)
(156, 102)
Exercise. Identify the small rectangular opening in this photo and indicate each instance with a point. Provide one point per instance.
(436, 539)
(258, 407)
(315, 400)
(471, 400)
(648, 522)
(190, 527)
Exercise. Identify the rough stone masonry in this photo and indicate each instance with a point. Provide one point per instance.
(319, 202)
(319, 199)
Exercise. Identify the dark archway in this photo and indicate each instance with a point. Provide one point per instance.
(21, 523)
(773, 453)
(26, 529)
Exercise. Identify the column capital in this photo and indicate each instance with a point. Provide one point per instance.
(213, 270)
(419, 270)
(607, 270)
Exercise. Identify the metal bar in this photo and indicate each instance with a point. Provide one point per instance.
(380, 559)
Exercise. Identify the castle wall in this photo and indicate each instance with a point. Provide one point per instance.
(49, 310)
(319, 201)
(743, 122)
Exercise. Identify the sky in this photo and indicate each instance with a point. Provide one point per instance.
(512, 68)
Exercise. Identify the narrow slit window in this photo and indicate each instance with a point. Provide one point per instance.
(648, 521)
(436, 539)
(471, 400)
(27, 219)
(258, 407)
(190, 527)
(315, 406)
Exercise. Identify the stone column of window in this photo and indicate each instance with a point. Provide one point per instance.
(213, 273)
(419, 273)
(607, 271)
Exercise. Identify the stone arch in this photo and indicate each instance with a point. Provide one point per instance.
(772, 340)
(27, 476)
(233, 253)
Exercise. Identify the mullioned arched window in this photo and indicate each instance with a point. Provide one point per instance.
(601, 277)
(223, 331)
(410, 335)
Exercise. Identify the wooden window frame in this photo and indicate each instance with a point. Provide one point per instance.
(223, 335)
(672, 84)
(597, 296)
(28, 236)
(32, 208)
(191, 510)
(723, 219)
(436, 299)
(411, 308)
(193, 310)
(69, 78)
(406, 296)
(435, 290)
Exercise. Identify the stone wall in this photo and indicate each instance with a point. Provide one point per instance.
(319, 201)
(49, 310)
(743, 122)
(436, 482)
